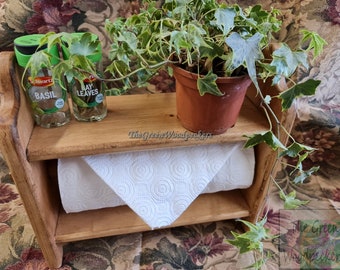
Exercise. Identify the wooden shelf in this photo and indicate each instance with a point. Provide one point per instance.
(128, 118)
(122, 220)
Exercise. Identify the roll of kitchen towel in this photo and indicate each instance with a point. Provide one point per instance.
(158, 185)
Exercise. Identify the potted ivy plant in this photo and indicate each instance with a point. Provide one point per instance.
(211, 43)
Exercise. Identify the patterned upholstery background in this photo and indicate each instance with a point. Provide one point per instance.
(317, 125)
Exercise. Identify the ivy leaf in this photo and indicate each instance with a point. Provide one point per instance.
(240, 242)
(129, 39)
(303, 175)
(83, 62)
(117, 68)
(290, 201)
(38, 60)
(315, 41)
(286, 62)
(195, 34)
(63, 70)
(84, 46)
(301, 159)
(267, 137)
(207, 84)
(224, 19)
(295, 149)
(306, 88)
(188, 39)
(246, 51)
(266, 70)
(211, 51)
(119, 53)
(53, 39)
(251, 239)
(179, 39)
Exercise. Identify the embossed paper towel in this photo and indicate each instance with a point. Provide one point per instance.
(160, 184)
(82, 189)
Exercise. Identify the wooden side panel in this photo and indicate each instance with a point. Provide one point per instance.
(30, 177)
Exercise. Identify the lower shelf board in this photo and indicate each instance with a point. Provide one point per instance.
(122, 220)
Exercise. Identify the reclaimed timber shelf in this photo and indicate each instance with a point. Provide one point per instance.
(31, 153)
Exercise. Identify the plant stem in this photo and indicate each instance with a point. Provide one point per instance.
(165, 62)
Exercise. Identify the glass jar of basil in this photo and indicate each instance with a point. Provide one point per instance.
(48, 100)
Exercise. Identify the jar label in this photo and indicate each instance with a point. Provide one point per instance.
(90, 79)
(46, 99)
(89, 94)
(44, 95)
(59, 103)
(41, 81)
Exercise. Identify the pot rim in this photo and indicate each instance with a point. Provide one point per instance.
(193, 75)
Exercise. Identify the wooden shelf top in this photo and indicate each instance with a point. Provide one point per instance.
(134, 122)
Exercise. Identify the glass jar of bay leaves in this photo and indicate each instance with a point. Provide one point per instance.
(88, 96)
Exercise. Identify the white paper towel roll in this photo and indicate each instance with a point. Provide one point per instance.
(157, 184)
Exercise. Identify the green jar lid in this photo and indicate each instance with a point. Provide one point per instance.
(27, 45)
(96, 57)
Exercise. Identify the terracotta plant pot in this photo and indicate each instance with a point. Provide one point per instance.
(209, 113)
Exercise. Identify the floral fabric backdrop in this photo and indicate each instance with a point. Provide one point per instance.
(31, 16)
(201, 246)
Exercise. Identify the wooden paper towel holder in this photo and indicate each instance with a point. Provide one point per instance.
(31, 153)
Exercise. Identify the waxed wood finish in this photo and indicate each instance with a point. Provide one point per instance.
(32, 152)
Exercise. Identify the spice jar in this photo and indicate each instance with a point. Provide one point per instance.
(88, 96)
(47, 98)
